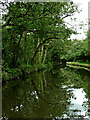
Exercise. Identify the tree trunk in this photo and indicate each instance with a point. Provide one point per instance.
(45, 54)
(25, 35)
(41, 53)
(37, 49)
(17, 49)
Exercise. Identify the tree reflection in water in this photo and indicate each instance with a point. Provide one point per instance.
(59, 93)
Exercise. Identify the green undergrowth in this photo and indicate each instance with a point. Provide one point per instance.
(23, 70)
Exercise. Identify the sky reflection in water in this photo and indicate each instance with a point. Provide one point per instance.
(78, 104)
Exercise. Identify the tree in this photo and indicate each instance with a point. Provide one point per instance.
(31, 27)
(77, 50)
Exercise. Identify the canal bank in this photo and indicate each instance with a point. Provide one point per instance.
(77, 65)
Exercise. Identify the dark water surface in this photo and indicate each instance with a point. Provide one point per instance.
(61, 92)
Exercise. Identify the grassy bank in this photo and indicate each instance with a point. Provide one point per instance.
(78, 65)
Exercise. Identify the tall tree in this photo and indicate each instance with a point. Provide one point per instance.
(43, 21)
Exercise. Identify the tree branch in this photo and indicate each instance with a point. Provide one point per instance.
(32, 61)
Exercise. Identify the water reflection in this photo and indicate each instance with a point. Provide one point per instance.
(59, 93)
(78, 105)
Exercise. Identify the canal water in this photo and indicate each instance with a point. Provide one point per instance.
(59, 93)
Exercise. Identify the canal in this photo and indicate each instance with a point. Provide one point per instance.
(59, 93)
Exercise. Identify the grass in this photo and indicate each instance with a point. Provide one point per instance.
(78, 65)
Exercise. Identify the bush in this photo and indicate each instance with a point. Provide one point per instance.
(49, 65)
(39, 66)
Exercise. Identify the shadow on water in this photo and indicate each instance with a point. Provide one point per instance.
(61, 92)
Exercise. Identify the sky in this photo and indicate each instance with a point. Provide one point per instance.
(82, 16)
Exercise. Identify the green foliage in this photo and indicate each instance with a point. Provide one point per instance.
(77, 50)
(49, 65)
(11, 73)
(32, 31)
(39, 66)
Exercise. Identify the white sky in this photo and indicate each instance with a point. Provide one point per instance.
(82, 16)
